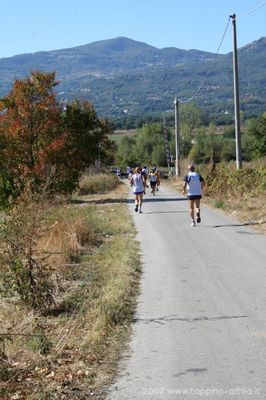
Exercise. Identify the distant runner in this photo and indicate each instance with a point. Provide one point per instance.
(153, 180)
(193, 183)
(138, 183)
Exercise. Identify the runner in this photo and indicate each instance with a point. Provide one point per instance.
(145, 174)
(137, 181)
(193, 183)
(153, 177)
(158, 180)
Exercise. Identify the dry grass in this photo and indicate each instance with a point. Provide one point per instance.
(97, 183)
(71, 352)
(116, 194)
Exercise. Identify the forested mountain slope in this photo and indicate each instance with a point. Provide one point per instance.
(125, 77)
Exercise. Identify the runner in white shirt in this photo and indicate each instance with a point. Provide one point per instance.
(193, 183)
(137, 181)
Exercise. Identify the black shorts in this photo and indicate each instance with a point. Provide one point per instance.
(153, 184)
(194, 197)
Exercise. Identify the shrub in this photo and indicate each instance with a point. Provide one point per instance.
(226, 181)
(29, 269)
(98, 183)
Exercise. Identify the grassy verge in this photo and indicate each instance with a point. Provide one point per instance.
(95, 184)
(71, 351)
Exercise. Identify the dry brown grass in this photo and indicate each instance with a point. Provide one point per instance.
(119, 194)
(72, 350)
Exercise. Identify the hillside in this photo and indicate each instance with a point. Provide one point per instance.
(125, 77)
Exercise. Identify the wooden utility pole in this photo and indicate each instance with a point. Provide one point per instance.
(177, 163)
(166, 143)
(236, 97)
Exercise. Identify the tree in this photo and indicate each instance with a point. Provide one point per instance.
(86, 140)
(192, 116)
(207, 147)
(30, 121)
(186, 139)
(256, 128)
(125, 154)
(43, 144)
(149, 145)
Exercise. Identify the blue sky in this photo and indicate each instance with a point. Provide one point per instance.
(27, 26)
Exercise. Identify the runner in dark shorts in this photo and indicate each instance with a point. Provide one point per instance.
(193, 183)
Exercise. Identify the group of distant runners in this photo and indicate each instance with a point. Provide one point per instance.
(192, 185)
(139, 181)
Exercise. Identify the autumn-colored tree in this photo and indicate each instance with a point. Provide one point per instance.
(41, 142)
(30, 121)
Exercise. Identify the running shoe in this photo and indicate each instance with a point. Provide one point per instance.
(198, 217)
(140, 212)
(193, 223)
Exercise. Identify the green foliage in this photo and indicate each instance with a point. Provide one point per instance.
(229, 132)
(185, 140)
(210, 147)
(198, 143)
(220, 204)
(145, 148)
(192, 116)
(247, 146)
(256, 129)
(149, 145)
(125, 154)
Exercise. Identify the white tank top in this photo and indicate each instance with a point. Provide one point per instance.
(137, 183)
(194, 184)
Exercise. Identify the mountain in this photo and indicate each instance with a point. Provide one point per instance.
(124, 77)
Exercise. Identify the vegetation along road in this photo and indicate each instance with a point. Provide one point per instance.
(199, 330)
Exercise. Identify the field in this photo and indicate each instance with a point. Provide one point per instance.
(119, 134)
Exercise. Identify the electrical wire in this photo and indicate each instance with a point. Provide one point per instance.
(209, 70)
(215, 56)
(252, 11)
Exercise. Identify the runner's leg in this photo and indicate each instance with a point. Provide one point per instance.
(197, 204)
(191, 209)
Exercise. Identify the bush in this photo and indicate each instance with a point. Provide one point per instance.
(29, 271)
(226, 181)
(99, 183)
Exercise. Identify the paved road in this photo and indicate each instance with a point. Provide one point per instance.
(200, 325)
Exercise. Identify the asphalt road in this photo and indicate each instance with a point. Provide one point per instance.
(200, 326)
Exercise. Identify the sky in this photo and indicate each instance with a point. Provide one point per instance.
(28, 26)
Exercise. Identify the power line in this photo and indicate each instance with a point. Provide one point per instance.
(215, 56)
(209, 70)
(252, 11)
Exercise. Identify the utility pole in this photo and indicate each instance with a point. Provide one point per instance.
(166, 143)
(236, 98)
(177, 164)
